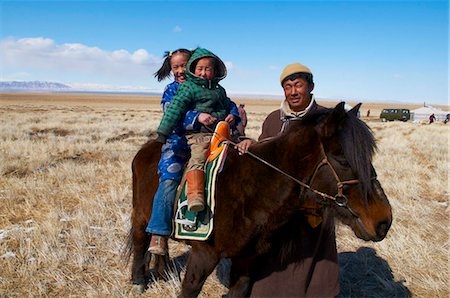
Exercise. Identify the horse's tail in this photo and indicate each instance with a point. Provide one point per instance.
(145, 180)
(129, 244)
(128, 247)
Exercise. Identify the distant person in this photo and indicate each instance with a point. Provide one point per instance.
(368, 113)
(310, 268)
(447, 118)
(243, 114)
(432, 118)
(202, 93)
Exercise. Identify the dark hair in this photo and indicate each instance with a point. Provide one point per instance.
(306, 76)
(165, 69)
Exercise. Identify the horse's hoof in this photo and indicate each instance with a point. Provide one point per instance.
(139, 289)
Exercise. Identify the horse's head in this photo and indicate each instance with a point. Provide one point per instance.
(344, 178)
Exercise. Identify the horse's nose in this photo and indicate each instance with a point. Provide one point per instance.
(383, 228)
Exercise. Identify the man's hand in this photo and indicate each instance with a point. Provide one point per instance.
(206, 119)
(242, 147)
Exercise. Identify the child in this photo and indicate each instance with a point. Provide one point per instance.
(175, 153)
(201, 92)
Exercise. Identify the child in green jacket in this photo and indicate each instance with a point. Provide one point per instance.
(202, 93)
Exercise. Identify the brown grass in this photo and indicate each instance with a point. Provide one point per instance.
(65, 193)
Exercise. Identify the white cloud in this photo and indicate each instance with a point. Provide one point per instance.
(109, 87)
(28, 54)
(177, 29)
(229, 65)
(36, 43)
(140, 56)
(16, 76)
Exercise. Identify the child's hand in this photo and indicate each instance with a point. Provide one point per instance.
(230, 119)
(206, 119)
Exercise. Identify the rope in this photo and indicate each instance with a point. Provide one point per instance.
(276, 168)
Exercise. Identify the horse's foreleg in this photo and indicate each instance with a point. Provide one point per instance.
(239, 278)
(240, 288)
(201, 262)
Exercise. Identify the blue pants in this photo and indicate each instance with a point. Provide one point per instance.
(161, 220)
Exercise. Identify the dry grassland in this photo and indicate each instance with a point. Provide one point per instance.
(65, 193)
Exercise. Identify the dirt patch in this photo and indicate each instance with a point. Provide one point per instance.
(60, 132)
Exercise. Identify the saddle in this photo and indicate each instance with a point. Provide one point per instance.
(199, 225)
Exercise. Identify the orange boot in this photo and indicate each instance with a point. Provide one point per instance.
(195, 190)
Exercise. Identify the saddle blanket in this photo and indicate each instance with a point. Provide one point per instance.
(199, 225)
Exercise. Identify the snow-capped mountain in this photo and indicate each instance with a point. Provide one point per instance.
(14, 86)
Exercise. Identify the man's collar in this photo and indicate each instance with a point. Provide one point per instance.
(287, 112)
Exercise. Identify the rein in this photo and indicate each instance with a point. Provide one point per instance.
(339, 199)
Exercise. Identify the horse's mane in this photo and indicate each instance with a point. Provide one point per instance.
(358, 144)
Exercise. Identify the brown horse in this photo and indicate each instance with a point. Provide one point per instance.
(325, 157)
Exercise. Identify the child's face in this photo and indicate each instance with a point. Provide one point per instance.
(178, 65)
(205, 68)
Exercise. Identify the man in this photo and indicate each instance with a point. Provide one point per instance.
(432, 118)
(308, 266)
(243, 124)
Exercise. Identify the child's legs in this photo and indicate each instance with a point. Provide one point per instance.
(199, 145)
(162, 212)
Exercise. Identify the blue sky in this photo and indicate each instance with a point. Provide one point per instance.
(357, 50)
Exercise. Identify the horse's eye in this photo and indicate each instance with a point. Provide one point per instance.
(343, 162)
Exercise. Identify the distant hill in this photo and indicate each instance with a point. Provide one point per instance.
(17, 86)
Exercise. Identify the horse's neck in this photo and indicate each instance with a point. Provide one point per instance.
(292, 154)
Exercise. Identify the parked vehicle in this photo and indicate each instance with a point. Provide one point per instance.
(395, 114)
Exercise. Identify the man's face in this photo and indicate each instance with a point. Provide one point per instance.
(178, 65)
(297, 93)
(205, 69)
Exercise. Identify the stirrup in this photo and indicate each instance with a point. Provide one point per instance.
(179, 218)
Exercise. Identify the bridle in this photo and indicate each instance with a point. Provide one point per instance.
(339, 199)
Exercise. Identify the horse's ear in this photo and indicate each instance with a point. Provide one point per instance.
(332, 122)
(354, 111)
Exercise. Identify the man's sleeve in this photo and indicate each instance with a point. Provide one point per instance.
(271, 126)
(264, 130)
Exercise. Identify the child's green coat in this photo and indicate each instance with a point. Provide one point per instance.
(197, 94)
